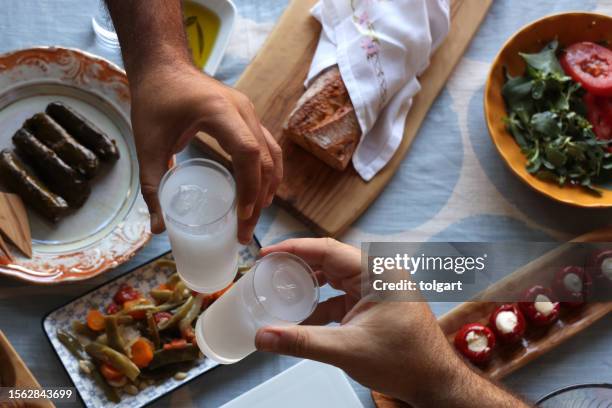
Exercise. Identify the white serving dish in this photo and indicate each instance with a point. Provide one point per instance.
(226, 11)
(305, 385)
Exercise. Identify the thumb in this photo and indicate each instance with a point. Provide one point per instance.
(151, 173)
(320, 343)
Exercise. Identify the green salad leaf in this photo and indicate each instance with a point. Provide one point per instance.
(547, 118)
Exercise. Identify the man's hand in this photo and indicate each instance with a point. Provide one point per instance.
(172, 101)
(393, 347)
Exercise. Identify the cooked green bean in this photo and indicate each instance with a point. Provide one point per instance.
(172, 279)
(138, 308)
(153, 332)
(81, 328)
(110, 392)
(124, 319)
(178, 293)
(164, 357)
(113, 336)
(117, 360)
(178, 316)
(192, 314)
(161, 295)
(73, 345)
(244, 269)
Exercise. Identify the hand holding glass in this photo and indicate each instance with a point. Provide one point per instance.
(279, 290)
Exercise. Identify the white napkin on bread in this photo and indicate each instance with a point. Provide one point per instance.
(380, 46)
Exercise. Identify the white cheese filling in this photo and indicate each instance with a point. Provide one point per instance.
(476, 342)
(573, 283)
(506, 321)
(606, 268)
(544, 305)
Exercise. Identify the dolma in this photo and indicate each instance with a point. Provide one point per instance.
(60, 177)
(20, 180)
(88, 134)
(65, 146)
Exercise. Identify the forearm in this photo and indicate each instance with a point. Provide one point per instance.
(151, 34)
(466, 388)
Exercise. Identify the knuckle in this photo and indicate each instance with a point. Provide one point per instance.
(249, 147)
(330, 242)
(267, 165)
(300, 342)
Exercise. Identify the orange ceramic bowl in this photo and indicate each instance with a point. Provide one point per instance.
(568, 28)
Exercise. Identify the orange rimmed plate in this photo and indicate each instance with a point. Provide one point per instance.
(567, 28)
(114, 222)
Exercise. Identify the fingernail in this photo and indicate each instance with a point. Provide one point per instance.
(154, 222)
(267, 341)
(245, 212)
(269, 200)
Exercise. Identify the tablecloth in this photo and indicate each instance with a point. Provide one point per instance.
(452, 186)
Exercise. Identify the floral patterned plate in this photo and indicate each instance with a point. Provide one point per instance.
(114, 222)
(143, 278)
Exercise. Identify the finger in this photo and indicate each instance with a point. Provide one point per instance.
(247, 227)
(245, 151)
(277, 157)
(151, 173)
(331, 310)
(321, 278)
(325, 344)
(319, 253)
(247, 111)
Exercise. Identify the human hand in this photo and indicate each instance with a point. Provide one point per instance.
(170, 104)
(393, 347)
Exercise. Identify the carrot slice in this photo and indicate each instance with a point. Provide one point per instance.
(95, 320)
(110, 373)
(142, 352)
(176, 344)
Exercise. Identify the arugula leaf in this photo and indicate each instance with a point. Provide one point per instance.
(547, 118)
(546, 60)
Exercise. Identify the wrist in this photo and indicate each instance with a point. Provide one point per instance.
(444, 383)
(157, 67)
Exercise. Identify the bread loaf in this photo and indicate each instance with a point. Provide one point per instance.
(324, 122)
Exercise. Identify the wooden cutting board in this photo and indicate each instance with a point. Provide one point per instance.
(508, 359)
(328, 200)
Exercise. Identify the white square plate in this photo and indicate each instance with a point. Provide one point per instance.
(305, 385)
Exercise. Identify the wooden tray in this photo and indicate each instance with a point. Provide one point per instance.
(15, 374)
(536, 343)
(328, 200)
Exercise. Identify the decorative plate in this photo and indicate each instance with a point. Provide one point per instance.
(568, 28)
(143, 278)
(114, 222)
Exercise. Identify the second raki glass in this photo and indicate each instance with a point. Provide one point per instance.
(279, 290)
(198, 200)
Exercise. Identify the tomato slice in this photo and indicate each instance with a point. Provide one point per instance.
(591, 65)
(125, 294)
(600, 115)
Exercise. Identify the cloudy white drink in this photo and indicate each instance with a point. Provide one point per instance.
(198, 200)
(279, 290)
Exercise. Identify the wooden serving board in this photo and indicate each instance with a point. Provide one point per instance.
(507, 359)
(328, 200)
(15, 374)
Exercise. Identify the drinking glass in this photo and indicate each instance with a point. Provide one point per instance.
(198, 201)
(279, 290)
(103, 27)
